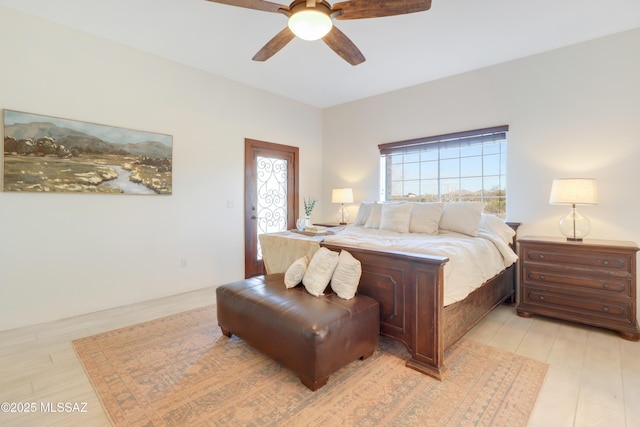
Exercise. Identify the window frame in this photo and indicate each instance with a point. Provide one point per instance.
(438, 145)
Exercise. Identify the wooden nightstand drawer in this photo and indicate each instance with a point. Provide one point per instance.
(591, 282)
(577, 282)
(598, 260)
(571, 305)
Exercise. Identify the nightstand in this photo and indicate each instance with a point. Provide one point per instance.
(591, 282)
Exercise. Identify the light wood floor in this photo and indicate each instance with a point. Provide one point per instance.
(593, 377)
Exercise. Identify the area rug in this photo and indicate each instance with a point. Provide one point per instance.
(180, 370)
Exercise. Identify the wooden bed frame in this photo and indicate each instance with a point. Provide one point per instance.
(409, 288)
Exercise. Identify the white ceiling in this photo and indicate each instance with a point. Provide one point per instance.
(452, 37)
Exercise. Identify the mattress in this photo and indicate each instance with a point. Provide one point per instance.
(472, 260)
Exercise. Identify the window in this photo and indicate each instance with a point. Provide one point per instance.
(464, 166)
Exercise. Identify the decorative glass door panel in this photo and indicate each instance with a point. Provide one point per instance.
(272, 197)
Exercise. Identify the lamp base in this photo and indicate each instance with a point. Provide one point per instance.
(575, 226)
(343, 215)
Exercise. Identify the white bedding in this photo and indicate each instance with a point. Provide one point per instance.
(472, 260)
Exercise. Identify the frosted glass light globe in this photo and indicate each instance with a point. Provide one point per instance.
(310, 24)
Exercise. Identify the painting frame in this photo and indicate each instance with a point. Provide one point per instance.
(47, 154)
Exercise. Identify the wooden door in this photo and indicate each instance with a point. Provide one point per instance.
(271, 196)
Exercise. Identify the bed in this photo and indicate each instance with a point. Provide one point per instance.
(407, 276)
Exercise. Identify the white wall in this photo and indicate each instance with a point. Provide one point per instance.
(572, 112)
(66, 254)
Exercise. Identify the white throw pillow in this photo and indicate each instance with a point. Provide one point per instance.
(462, 217)
(494, 225)
(346, 277)
(363, 213)
(374, 217)
(396, 217)
(294, 274)
(425, 217)
(319, 272)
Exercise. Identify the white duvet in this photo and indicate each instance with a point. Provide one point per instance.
(472, 260)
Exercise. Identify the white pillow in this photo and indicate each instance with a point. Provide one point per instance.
(494, 225)
(396, 217)
(462, 217)
(346, 277)
(425, 217)
(374, 217)
(319, 272)
(295, 272)
(363, 213)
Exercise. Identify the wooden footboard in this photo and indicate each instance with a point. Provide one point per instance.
(410, 290)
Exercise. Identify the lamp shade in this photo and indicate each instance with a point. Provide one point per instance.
(574, 191)
(342, 195)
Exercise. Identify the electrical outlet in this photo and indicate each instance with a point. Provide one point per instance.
(183, 263)
(229, 204)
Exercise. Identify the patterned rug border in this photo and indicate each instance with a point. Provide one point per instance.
(91, 379)
(128, 370)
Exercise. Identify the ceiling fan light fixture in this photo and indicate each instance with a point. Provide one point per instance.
(310, 24)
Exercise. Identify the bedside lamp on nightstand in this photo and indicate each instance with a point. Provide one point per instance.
(574, 191)
(342, 196)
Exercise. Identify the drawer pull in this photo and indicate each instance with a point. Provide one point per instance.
(605, 262)
(541, 298)
(605, 286)
(605, 308)
(541, 256)
(542, 277)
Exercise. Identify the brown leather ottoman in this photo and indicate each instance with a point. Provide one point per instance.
(312, 336)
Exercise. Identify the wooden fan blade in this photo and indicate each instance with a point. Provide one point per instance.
(265, 6)
(343, 46)
(274, 45)
(359, 9)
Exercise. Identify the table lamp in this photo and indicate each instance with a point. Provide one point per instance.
(342, 196)
(574, 191)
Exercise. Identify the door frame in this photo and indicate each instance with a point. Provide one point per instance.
(252, 148)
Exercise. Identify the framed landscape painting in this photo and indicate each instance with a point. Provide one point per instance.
(49, 154)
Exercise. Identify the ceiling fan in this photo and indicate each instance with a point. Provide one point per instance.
(313, 19)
